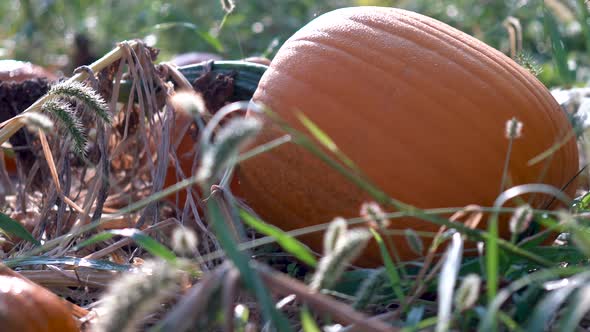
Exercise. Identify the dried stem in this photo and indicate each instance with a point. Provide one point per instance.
(340, 312)
(126, 241)
(10, 128)
(195, 302)
(68, 278)
(229, 290)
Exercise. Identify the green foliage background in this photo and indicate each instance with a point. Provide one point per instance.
(43, 31)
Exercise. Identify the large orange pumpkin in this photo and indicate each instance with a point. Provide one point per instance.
(27, 307)
(419, 106)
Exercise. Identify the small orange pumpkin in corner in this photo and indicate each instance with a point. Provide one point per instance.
(419, 106)
(27, 307)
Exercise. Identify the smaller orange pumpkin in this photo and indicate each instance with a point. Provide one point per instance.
(27, 307)
(185, 138)
(184, 133)
(185, 153)
(18, 71)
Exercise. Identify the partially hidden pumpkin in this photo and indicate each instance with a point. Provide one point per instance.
(420, 107)
(184, 140)
(27, 307)
(184, 135)
(17, 72)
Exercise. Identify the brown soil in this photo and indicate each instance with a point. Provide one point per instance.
(15, 97)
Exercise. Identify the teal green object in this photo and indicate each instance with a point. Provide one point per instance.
(246, 76)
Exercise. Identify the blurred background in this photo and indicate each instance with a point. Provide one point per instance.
(62, 34)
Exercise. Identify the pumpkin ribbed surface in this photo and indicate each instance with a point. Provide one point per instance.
(419, 106)
(26, 307)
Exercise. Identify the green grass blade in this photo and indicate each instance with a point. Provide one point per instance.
(307, 322)
(510, 323)
(423, 325)
(324, 139)
(248, 275)
(14, 228)
(548, 307)
(101, 237)
(576, 311)
(147, 243)
(557, 47)
(490, 318)
(584, 20)
(212, 41)
(316, 132)
(205, 36)
(287, 242)
(492, 258)
(143, 240)
(71, 261)
(392, 273)
(415, 315)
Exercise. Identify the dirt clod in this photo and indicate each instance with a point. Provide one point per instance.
(15, 97)
(217, 90)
